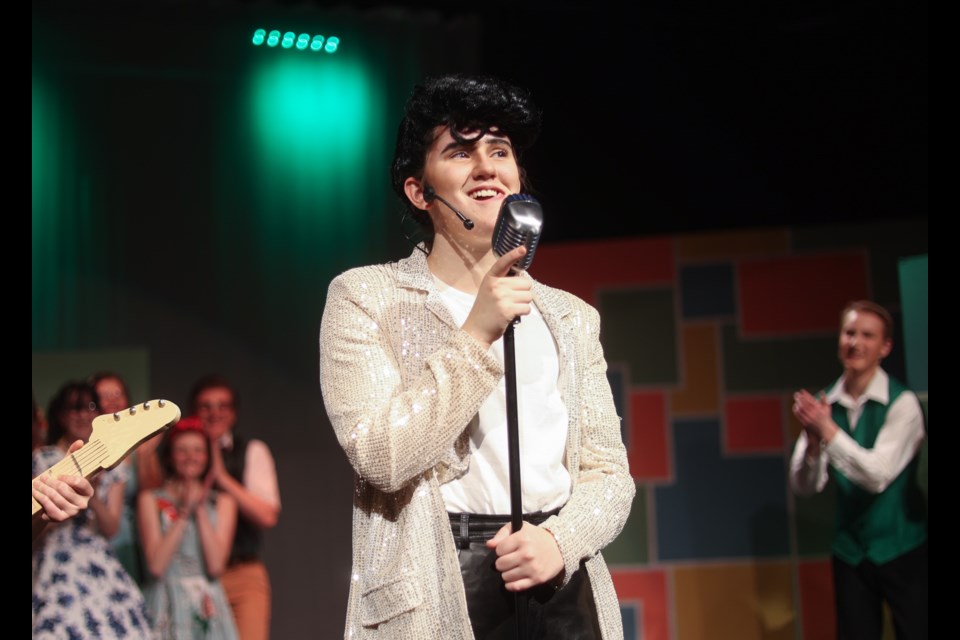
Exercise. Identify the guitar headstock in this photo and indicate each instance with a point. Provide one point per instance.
(124, 430)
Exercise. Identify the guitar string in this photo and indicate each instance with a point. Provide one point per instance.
(90, 452)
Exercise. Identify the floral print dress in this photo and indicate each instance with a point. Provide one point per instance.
(80, 589)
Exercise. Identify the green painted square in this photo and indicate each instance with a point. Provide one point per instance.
(632, 546)
(639, 329)
(784, 364)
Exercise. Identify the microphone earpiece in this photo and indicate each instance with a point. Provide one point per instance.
(430, 194)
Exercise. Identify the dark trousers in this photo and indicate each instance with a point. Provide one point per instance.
(552, 614)
(861, 590)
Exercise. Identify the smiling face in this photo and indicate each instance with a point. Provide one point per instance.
(216, 411)
(188, 455)
(863, 344)
(474, 177)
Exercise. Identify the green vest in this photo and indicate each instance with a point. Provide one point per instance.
(884, 526)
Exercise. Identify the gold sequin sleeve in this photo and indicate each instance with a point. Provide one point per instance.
(399, 384)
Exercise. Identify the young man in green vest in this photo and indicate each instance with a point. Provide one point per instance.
(866, 431)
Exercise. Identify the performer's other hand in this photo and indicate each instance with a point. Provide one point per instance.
(526, 558)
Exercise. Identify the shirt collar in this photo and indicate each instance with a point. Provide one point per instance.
(878, 390)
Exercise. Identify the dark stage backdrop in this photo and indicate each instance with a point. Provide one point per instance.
(193, 195)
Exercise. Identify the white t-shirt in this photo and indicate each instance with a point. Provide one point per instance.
(541, 418)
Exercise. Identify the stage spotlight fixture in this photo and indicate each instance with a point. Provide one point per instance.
(289, 40)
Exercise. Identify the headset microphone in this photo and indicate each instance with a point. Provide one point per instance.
(429, 194)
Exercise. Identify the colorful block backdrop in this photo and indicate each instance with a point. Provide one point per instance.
(707, 336)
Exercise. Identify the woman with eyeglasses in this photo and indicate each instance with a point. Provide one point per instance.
(80, 589)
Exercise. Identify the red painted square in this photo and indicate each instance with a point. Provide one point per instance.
(649, 588)
(816, 600)
(753, 425)
(583, 267)
(798, 294)
(648, 454)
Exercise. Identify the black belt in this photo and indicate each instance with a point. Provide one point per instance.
(480, 527)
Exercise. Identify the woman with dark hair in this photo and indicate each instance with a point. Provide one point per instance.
(186, 531)
(80, 589)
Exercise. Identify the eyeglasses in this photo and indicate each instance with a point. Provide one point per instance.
(80, 406)
(207, 407)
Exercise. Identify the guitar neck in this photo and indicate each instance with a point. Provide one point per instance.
(114, 436)
(85, 462)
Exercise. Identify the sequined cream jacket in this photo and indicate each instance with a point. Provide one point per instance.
(400, 382)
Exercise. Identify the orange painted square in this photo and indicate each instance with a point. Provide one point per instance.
(648, 454)
(749, 601)
(799, 294)
(650, 589)
(753, 425)
(700, 393)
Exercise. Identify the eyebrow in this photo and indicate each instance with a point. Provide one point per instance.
(491, 141)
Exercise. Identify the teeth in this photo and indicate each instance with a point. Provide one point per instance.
(483, 193)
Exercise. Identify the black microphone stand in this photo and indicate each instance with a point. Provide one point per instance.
(513, 461)
(519, 223)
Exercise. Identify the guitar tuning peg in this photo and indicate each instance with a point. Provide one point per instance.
(146, 405)
(133, 410)
(116, 416)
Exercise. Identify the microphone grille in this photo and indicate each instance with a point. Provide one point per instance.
(520, 223)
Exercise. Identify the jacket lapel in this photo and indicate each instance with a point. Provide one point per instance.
(415, 274)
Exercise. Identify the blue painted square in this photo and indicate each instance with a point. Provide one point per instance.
(630, 616)
(720, 506)
(707, 291)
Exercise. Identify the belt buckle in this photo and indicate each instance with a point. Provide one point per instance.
(464, 530)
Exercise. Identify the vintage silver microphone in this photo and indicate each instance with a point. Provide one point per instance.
(520, 222)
